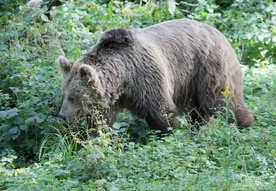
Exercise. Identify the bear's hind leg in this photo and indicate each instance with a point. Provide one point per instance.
(200, 117)
(243, 115)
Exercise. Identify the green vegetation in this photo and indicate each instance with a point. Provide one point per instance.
(40, 152)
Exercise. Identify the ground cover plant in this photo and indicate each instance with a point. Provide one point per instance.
(40, 152)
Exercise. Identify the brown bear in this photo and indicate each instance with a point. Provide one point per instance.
(179, 66)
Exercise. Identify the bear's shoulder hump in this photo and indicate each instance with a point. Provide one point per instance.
(116, 36)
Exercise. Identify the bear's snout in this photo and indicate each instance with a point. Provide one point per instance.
(61, 116)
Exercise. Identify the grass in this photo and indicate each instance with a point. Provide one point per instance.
(215, 157)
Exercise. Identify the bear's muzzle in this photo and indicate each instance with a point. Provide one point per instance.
(61, 116)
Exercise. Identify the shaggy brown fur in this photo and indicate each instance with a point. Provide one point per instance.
(179, 66)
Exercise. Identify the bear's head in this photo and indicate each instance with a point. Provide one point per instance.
(81, 88)
(88, 82)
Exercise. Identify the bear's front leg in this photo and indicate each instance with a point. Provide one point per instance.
(159, 120)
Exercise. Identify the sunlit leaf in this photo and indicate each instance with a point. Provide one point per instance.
(44, 18)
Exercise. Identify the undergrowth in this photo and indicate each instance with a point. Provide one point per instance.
(40, 152)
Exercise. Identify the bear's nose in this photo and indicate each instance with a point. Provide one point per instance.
(61, 117)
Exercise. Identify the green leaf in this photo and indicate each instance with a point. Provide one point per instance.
(114, 132)
(274, 30)
(39, 119)
(44, 18)
(13, 131)
(110, 9)
(19, 120)
(12, 112)
(3, 114)
(171, 6)
(97, 155)
(100, 182)
(204, 14)
(117, 125)
(3, 46)
(61, 173)
(29, 120)
(42, 29)
(23, 127)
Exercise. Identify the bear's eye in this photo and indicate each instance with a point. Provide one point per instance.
(71, 99)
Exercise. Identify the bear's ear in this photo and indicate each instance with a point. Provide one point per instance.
(65, 64)
(89, 76)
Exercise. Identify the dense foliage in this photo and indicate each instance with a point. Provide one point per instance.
(37, 151)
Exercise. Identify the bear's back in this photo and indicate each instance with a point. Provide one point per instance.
(185, 39)
(188, 45)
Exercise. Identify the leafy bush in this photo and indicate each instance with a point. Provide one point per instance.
(7, 9)
(248, 24)
(251, 26)
(29, 83)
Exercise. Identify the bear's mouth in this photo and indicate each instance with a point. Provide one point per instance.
(78, 114)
